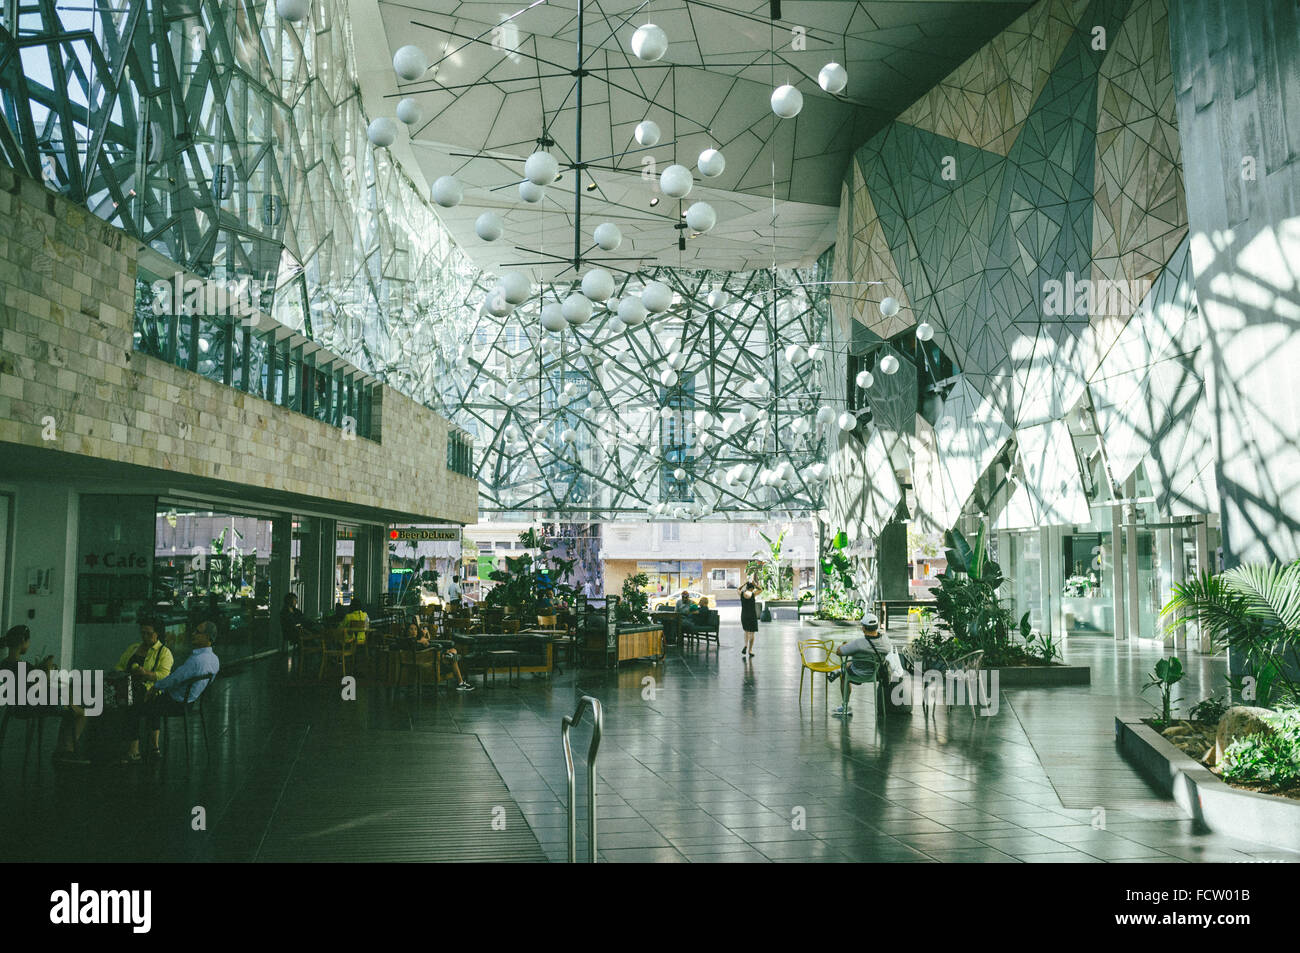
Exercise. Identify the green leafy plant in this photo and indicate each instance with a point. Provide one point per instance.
(1209, 710)
(839, 600)
(1167, 673)
(635, 605)
(775, 579)
(967, 601)
(1039, 645)
(1272, 759)
(1254, 610)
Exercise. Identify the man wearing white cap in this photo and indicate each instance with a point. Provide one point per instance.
(863, 655)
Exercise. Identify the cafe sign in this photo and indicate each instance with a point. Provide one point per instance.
(425, 535)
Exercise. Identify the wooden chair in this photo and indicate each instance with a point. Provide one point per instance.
(337, 644)
(309, 644)
(419, 659)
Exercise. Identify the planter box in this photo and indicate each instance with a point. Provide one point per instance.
(830, 624)
(1206, 798)
(1043, 676)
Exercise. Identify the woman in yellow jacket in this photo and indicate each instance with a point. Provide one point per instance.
(146, 662)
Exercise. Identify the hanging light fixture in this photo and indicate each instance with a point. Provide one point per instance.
(711, 163)
(292, 10)
(649, 43)
(541, 168)
(787, 101)
(408, 111)
(647, 133)
(410, 63)
(382, 132)
(447, 191)
(676, 182)
(889, 307)
(489, 226)
(889, 364)
(833, 78)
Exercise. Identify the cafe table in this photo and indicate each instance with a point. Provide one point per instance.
(671, 623)
(534, 643)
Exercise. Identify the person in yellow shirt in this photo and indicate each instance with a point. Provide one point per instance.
(145, 662)
(357, 615)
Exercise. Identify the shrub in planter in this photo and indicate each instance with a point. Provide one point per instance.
(1269, 758)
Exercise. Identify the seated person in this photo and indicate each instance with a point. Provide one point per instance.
(169, 694)
(689, 612)
(146, 662)
(861, 656)
(293, 624)
(72, 718)
(449, 657)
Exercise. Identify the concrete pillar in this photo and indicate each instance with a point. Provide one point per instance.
(1202, 567)
(1131, 598)
(45, 526)
(281, 566)
(893, 562)
(1116, 569)
(1050, 609)
(1176, 571)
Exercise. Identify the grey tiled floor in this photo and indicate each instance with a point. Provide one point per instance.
(721, 760)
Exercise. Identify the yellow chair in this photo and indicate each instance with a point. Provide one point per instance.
(817, 655)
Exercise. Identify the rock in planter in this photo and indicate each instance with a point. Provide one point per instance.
(1237, 722)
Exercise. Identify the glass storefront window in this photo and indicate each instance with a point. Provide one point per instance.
(1087, 593)
(213, 566)
(344, 563)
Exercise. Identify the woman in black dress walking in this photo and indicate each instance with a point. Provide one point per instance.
(749, 592)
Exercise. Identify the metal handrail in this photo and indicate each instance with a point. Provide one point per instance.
(598, 723)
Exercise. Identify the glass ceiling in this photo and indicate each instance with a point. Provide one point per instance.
(235, 144)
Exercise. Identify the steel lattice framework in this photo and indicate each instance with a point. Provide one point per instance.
(234, 144)
(521, 391)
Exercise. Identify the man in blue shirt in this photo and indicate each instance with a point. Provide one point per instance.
(170, 694)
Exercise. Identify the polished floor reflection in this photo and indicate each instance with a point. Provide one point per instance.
(706, 757)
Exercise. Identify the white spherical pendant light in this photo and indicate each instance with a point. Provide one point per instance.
(498, 306)
(607, 236)
(679, 474)
(703, 419)
(889, 364)
(631, 311)
(382, 132)
(711, 163)
(816, 352)
(924, 331)
(833, 78)
(577, 309)
(649, 43)
(889, 307)
(677, 360)
(598, 284)
(847, 421)
(787, 101)
(292, 10)
(489, 226)
(749, 413)
(614, 325)
(825, 415)
(516, 287)
(718, 299)
(541, 168)
(701, 217)
(539, 433)
(794, 354)
(553, 318)
(657, 297)
(799, 426)
(676, 182)
(647, 133)
(447, 191)
(410, 63)
(569, 436)
(668, 378)
(408, 111)
(864, 379)
(704, 440)
(531, 192)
